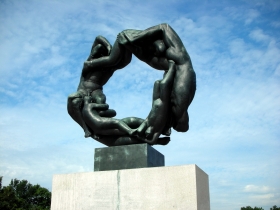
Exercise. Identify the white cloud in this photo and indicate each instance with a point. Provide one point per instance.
(263, 197)
(251, 14)
(258, 189)
(259, 35)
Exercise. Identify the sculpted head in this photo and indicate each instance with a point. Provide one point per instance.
(98, 51)
(159, 47)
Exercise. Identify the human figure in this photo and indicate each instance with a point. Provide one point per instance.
(133, 123)
(103, 125)
(155, 46)
(93, 82)
(156, 121)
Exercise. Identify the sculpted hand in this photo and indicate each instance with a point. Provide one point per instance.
(109, 49)
(122, 38)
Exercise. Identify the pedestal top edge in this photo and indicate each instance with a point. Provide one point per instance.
(131, 145)
(194, 166)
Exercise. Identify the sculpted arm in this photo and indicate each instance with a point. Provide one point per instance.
(162, 31)
(98, 106)
(175, 49)
(167, 82)
(117, 54)
(102, 40)
(102, 43)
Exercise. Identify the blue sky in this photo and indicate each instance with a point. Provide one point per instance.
(234, 131)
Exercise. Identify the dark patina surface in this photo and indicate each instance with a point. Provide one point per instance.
(161, 48)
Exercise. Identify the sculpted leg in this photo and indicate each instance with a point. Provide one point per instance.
(182, 125)
(121, 126)
(74, 109)
(103, 125)
(182, 95)
(142, 128)
(132, 122)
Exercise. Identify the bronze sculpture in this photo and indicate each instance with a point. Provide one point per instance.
(161, 48)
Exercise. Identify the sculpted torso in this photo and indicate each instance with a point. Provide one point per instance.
(95, 80)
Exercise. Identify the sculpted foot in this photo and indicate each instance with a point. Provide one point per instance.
(87, 134)
(133, 132)
(166, 132)
(163, 141)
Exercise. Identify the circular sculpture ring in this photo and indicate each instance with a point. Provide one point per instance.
(161, 48)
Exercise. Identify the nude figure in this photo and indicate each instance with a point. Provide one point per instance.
(155, 46)
(93, 82)
(103, 125)
(156, 121)
(168, 46)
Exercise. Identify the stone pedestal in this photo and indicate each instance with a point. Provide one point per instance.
(162, 188)
(127, 157)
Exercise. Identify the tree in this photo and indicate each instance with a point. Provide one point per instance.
(250, 208)
(275, 208)
(20, 195)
